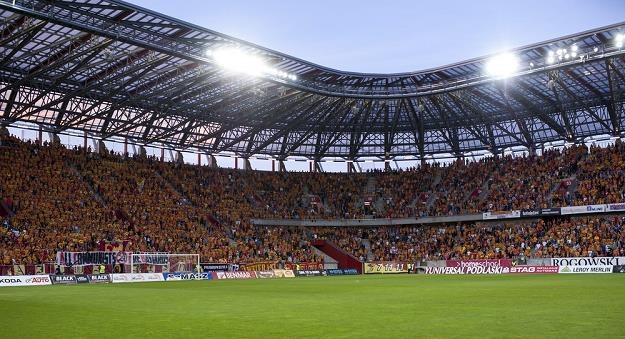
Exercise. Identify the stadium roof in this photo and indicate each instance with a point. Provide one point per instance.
(113, 69)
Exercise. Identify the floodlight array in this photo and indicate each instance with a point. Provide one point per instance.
(239, 61)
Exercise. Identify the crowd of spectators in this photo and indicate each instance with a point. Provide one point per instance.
(69, 199)
(558, 237)
(526, 182)
(601, 177)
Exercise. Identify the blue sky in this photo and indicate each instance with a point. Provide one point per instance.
(392, 36)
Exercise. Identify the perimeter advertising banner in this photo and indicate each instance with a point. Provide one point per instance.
(618, 269)
(136, 277)
(534, 269)
(468, 270)
(588, 261)
(385, 267)
(82, 279)
(586, 269)
(476, 266)
(25, 280)
(180, 276)
(63, 279)
(342, 271)
(265, 274)
(284, 273)
(479, 263)
(99, 278)
(310, 273)
(234, 275)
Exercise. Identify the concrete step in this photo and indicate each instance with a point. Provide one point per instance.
(88, 182)
(367, 244)
(328, 262)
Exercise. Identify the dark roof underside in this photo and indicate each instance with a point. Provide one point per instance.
(116, 70)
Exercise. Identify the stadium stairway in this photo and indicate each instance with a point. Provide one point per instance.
(367, 244)
(5, 210)
(572, 188)
(486, 187)
(329, 263)
(433, 192)
(344, 259)
(88, 182)
(209, 217)
(371, 185)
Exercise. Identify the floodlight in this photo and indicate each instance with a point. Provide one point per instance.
(574, 48)
(502, 65)
(237, 60)
(550, 59)
(574, 54)
(596, 49)
(559, 52)
(551, 53)
(620, 40)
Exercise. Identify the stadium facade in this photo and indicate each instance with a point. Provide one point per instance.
(112, 71)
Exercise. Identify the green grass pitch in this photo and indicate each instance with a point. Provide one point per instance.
(376, 306)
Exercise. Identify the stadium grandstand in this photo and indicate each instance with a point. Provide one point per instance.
(115, 123)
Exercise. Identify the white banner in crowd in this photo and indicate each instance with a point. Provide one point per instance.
(615, 207)
(501, 215)
(583, 209)
(588, 261)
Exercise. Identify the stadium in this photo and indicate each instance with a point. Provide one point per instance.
(161, 179)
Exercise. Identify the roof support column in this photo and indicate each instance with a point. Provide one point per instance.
(101, 147)
(318, 167)
(246, 166)
(387, 165)
(350, 167)
(54, 138)
(212, 162)
(142, 152)
(84, 141)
